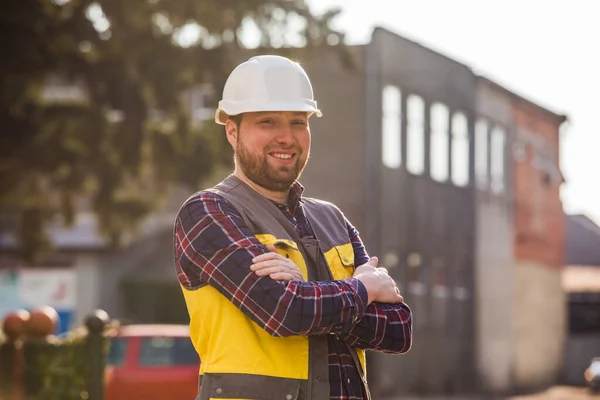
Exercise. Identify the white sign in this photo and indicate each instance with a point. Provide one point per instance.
(52, 287)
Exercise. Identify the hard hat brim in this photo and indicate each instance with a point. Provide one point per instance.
(222, 115)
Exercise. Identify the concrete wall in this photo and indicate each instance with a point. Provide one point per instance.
(495, 287)
(88, 276)
(539, 311)
(494, 265)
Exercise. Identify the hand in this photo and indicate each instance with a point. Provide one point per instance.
(380, 286)
(276, 266)
(369, 266)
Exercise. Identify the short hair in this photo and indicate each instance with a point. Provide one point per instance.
(237, 119)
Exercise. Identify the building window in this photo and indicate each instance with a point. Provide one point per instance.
(391, 133)
(481, 153)
(413, 276)
(497, 152)
(415, 130)
(439, 152)
(460, 149)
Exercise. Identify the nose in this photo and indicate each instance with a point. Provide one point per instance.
(285, 134)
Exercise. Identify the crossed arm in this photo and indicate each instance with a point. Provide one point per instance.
(213, 246)
(384, 327)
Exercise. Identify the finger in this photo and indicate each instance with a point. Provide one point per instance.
(399, 295)
(282, 276)
(285, 263)
(271, 270)
(272, 248)
(373, 261)
(268, 256)
(296, 272)
(265, 264)
(396, 298)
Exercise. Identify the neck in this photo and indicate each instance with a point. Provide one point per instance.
(278, 197)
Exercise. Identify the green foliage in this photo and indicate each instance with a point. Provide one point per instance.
(7, 354)
(122, 130)
(56, 367)
(56, 370)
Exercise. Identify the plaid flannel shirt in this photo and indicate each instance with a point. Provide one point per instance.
(214, 246)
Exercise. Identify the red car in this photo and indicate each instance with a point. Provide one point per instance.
(152, 362)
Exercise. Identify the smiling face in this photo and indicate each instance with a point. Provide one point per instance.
(271, 148)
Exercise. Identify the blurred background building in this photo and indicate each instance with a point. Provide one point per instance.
(454, 182)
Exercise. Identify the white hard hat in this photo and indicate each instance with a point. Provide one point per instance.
(266, 83)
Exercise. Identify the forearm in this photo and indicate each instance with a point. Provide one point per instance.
(295, 308)
(292, 308)
(384, 327)
(282, 308)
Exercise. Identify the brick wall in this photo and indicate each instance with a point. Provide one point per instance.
(539, 221)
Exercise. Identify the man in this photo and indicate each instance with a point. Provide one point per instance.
(282, 296)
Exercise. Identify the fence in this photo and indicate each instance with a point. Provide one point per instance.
(37, 365)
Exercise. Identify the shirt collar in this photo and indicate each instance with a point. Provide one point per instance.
(294, 197)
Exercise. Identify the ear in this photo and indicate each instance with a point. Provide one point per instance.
(231, 131)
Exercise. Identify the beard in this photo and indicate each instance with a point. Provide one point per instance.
(275, 178)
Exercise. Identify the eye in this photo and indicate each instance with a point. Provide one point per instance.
(299, 122)
(267, 121)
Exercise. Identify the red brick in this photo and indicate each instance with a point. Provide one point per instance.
(539, 222)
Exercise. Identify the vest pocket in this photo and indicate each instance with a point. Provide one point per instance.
(289, 249)
(341, 261)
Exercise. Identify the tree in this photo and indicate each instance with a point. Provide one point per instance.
(119, 130)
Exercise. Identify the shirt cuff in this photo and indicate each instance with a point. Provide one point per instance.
(360, 301)
(363, 298)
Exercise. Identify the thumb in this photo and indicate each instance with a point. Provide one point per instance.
(373, 261)
(271, 248)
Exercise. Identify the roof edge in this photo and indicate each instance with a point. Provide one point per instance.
(559, 118)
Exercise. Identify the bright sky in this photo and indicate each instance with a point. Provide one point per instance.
(544, 50)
